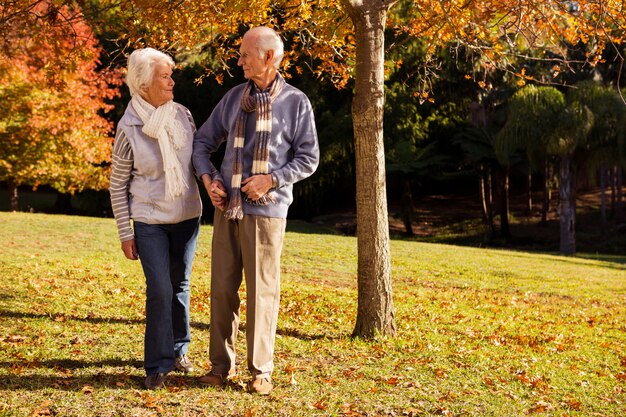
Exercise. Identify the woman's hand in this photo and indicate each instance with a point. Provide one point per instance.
(217, 192)
(129, 247)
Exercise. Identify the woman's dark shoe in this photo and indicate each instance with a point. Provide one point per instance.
(183, 364)
(155, 381)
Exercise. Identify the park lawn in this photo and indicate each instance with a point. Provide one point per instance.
(481, 332)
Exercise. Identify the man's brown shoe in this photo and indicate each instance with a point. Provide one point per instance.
(213, 380)
(261, 386)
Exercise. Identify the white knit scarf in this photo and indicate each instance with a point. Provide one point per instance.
(161, 124)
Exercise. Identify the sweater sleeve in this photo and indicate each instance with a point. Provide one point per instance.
(122, 166)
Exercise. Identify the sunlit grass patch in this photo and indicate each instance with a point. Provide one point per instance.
(480, 332)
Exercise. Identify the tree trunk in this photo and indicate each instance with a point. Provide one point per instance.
(567, 206)
(612, 172)
(492, 223)
(407, 206)
(603, 173)
(375, 312)
(14, 197)
(483, 192)
(547, 193)
(486, 197)
(618, 198)
(505, 230)
(529, 184)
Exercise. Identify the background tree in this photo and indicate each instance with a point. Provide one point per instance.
(533, 114)
(603, 151)
(343, 41)
(52, 125)
(568, 144)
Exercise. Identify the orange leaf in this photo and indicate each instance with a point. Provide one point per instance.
(320, 405)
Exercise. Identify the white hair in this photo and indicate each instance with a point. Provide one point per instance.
(140, 69)
(267, 39)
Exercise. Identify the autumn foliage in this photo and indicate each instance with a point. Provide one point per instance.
(54, 97)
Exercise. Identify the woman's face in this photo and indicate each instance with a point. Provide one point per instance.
(161, 89)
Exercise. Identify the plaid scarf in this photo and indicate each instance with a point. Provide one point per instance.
(262, 103)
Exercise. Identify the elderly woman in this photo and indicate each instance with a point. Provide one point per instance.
(152, 183)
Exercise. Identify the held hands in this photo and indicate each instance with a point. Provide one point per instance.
(257, 186)
(217, 192)
(129, 247)
(254, 187)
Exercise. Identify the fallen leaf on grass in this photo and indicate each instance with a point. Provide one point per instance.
(440, 373)
(347, 410)
(329, 381)
(573, 404)
(151, 401)
(541, 407)
(87, 389)
(14, 338)
(392, 380)
(351, 373)
(43, 410)
(251, 412)
(444, 412)
(16, 369)
(320, 405)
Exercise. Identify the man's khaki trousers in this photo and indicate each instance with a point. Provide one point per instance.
(252, 245)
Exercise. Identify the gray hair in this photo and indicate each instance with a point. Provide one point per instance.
(267, 39)
(141, 65)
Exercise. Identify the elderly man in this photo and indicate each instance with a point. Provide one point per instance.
(271, 143)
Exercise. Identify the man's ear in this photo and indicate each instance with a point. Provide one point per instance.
(269, 55)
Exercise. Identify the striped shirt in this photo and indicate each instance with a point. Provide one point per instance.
(120, 180)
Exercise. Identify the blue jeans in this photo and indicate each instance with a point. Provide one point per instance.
(166, 252)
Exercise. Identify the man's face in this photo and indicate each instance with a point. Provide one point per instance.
(256, 67)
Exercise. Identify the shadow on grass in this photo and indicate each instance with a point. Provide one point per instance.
(304, 336)
(118, 320)
(90, 319)
(86, 383)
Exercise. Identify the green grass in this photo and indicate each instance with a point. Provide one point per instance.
(480, 332)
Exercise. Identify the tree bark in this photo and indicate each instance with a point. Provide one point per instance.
(14, 197)
(547, 193)
(618, 198)
(612, 172)
(407, 206)
(603, 222)
(505, 230)
(483, 192)
(529, 183)
(486, 198)
(567, 207)
(375, 312)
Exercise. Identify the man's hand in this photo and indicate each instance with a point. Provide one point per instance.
(129, 247)
(257, 186)
(217, 192)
